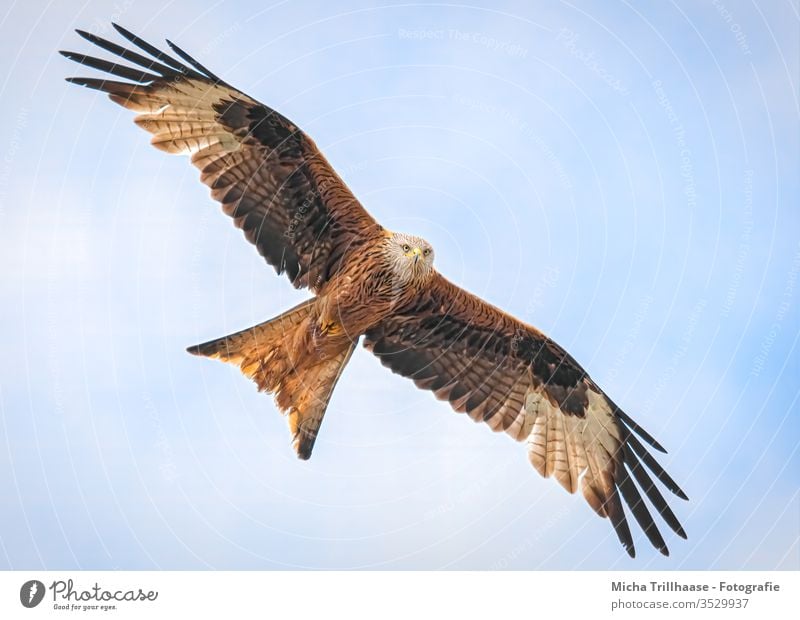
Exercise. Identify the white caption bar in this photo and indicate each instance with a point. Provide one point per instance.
(97, 594)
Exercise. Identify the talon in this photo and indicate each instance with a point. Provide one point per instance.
(330, 328)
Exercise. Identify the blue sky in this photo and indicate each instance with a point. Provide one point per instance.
(623, 177)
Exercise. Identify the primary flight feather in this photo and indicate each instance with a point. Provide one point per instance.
(280, 190)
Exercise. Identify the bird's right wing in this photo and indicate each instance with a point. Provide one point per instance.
(267, 173)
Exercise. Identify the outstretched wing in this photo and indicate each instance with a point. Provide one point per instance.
(508, 374)
(268, 174)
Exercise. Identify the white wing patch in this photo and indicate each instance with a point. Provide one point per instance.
(181, 116)
(575, 451)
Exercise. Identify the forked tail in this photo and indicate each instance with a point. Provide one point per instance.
(277, 355)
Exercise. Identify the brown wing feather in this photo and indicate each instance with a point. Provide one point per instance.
(501, 371)
(268, 174)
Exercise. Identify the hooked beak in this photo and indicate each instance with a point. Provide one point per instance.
(417, 253)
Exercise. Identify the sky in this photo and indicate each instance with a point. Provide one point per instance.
(622, 175)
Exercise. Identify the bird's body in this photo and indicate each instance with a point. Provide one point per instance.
(380, 286)
(373, 284)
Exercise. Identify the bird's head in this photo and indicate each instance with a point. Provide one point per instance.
(411, 257)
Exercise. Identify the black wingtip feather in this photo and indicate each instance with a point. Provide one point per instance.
(92, 38)
(81, 81)
(640, 512)
(122, 71)
(110, 87)
(193, 62)
(156, 53)
(655, 467)
(638, 429)
(616, 514)
(142, 61)
(650, 489)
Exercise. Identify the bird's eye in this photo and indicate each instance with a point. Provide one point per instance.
(426, 251)
(406, 247)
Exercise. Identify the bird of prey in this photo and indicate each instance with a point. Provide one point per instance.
(377, 284)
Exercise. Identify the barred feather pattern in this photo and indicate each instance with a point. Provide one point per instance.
(268, 175)
(501, 371)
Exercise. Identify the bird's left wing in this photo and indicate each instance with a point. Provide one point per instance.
(267, 173)
(503, 372)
